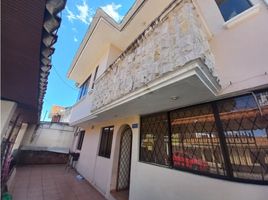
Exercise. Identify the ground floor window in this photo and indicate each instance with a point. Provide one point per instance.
(106, 141)
(227, 138)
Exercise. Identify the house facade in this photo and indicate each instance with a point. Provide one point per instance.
(173, 101)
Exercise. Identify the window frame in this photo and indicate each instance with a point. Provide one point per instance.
(222, 139)
(83, 90)
(95, 76)
(106, 142)
(80, 140)
(249, 2)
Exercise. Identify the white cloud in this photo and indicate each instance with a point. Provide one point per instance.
(70, 15)
(84, 13)
(75, 39)
(112, 10)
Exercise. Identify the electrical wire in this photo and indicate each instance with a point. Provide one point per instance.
(57, 73)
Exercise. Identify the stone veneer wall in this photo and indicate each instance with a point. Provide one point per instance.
(169, 43)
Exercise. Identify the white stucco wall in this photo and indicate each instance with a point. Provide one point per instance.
(157, 183)
(100, 171)
(7, 110)
(240, 51)
(20, 136)
(49, 136)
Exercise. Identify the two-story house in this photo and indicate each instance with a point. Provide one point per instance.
(173, 101)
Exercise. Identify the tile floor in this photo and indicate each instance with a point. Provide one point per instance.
(51, 182)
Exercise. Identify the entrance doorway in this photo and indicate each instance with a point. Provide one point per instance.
(124, 163)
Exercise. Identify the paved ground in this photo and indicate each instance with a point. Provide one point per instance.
(51, 182)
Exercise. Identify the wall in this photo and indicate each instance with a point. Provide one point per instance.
(55, 137)
(7, 110)
(20, 136)
(240, 51)
(99, 171)
(147, 181)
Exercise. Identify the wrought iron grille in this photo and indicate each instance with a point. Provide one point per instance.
(155, 139)
(124, 160)
(245, 125)
(195, 141)
(227, 138)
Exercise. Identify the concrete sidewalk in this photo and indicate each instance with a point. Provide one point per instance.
(51, 182)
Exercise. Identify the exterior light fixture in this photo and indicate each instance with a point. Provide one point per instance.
(174, 98)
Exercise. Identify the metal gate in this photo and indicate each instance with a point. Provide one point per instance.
(123, 178)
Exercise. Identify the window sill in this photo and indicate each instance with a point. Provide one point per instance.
(242, 16)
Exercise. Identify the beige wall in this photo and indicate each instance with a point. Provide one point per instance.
(241, 53)
(7, 110)
(49, 136)
(99, 171)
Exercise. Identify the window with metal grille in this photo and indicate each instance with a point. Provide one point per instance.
(154, 139)
(227, 138)
(195, 140)
(80, 140)
(106, 142)
(245, 125)
(231, 8)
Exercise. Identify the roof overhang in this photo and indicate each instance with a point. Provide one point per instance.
(28, 35)
(104, 31)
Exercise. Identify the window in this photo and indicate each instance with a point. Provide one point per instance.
(231, 8)
(95, 76)
(106, 141)
(84, 88)
(80, 140)
(227, 138)
(196, 140)
(154, 140)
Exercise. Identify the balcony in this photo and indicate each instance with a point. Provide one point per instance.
(169, 65)
(81, 111)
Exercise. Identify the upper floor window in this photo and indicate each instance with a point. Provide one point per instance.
(106, 142)
(226, 138)
(84, 88)
(95, 76)
(231, 8)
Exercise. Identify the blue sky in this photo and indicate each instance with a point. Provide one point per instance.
(76, 19)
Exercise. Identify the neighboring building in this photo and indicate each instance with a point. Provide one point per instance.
(60, 114)
(174, 101)
(48, 142)
(28, 33)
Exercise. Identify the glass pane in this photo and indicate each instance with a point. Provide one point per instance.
(195, 141)
(231, 8)
(246, 128)
(154, 139)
